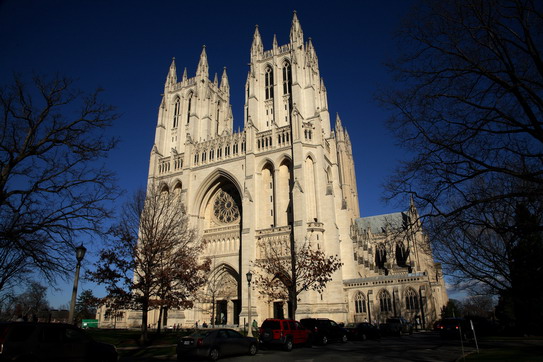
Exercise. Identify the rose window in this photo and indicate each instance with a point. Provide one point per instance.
(225, 208)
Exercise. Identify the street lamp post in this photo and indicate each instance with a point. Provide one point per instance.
(79, 255)
(249, 278)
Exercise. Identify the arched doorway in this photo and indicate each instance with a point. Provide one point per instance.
(221, 220)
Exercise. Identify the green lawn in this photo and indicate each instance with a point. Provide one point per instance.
(516, 353)
(509, 349)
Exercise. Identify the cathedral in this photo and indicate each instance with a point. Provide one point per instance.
(287, 174)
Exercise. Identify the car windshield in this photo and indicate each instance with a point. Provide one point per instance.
(351, 325)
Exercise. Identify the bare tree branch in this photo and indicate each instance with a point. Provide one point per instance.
(153, 260)
(53, 187)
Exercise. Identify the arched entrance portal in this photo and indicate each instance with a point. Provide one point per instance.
(220, 218)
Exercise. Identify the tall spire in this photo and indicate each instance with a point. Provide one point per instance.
(171, 79)
(225, 86)
(296, 34)
(275, 42)
(203, 67)
(185, 74)
(257, 48)
(339, 126)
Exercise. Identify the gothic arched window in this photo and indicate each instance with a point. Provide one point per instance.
(176, 108)
(401, 254)
(360, 303)
(411, 300)
(189, 106)
(385, 301)
(380, 256)
(287, 78)
(218, 114)
(269, 82)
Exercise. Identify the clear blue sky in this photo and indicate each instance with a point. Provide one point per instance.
(126, 48)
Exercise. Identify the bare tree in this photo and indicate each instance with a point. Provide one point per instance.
(52, 187)
(32, 303)
(478, 306)
(273, 270)
(153, 260)
(470, 111)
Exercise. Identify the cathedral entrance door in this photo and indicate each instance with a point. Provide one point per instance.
(237, 311)
(222, 312)
(278, 312)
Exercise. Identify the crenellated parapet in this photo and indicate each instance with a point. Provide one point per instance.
(219, 149)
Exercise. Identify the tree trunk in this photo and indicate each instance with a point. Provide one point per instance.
(293, 302)
(160, 309)
(213, 311)
(144, 336)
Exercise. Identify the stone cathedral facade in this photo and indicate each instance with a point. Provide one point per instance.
(287, 173)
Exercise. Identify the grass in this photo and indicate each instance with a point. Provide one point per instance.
(516, 353)
(509, 349)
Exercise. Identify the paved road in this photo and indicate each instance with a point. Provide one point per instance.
(417, 347)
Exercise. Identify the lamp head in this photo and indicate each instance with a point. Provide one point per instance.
(80, 252)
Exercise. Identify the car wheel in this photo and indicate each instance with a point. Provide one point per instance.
(363, 337)
(324, 340)
(344, 338)
(214, 354)
(253, 349)
(288, 345)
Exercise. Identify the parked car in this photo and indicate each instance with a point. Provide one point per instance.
(362, 331)
(215, 343)
(324, 330)
(22, 341)
(454, 328)
(283, 332)
(398, 326)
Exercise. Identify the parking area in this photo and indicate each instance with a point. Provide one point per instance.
(424, 346)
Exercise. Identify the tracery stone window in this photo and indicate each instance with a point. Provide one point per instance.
(360, 303)
(287, 78)
(385, 301)
(225, 208)
(189, 106)
(411, 300)
(176, 112)
(402, 252)
(269, 83)
(381, 256)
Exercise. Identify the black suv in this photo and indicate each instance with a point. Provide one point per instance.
(21, 341)
(324, 330)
